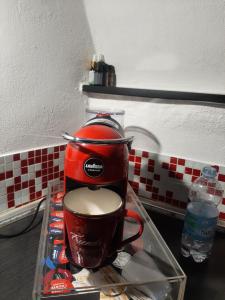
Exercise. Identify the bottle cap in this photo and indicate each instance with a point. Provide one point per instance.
(209, 172)
(101, 57)
(111, 68)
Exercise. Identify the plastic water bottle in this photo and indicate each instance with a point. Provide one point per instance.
(201, 216)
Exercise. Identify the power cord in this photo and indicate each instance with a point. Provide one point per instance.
(28, 227)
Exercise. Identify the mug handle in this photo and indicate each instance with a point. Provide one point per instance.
(133, 215)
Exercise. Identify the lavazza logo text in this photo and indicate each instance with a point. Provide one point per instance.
(93, 167)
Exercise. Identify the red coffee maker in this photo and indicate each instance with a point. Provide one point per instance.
(97, 156)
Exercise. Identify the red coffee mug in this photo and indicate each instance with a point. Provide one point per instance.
(90, 232)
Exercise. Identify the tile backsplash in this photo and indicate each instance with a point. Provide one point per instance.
(24, 177)
(165, 179)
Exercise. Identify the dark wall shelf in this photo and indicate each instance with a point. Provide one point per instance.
(169, 95)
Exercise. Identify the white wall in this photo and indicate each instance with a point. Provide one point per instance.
(45, 47)
(170, 45)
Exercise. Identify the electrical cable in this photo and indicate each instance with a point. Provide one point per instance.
(28, 227)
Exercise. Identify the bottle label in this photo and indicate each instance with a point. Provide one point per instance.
(199, 228)
(91, 77)
(98, 78)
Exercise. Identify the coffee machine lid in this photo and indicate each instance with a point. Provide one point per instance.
(100, 130)
(97, 131)
(107, 120)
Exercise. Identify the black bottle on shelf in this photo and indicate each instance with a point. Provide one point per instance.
(111, 76)
(100, 71)
(106, 75)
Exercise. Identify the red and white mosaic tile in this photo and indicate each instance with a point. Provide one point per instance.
(24, 176)
(166, 179)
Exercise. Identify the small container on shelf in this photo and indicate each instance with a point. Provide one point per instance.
(100, 73)
(111, 76)
(91, 75)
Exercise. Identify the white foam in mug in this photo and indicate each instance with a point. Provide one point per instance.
(92, 202)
